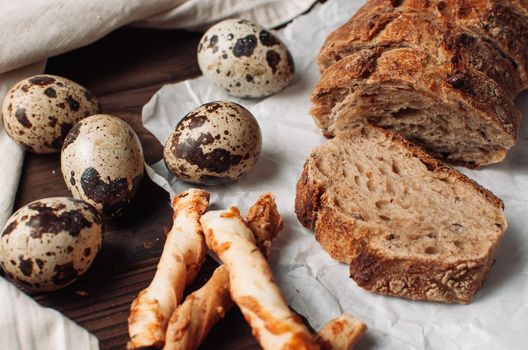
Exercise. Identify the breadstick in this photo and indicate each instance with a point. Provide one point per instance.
(264, 221)
(182, 256)
(201, 310)
(341, 333)
(252, 286)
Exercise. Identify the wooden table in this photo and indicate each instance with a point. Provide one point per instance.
(124, 70)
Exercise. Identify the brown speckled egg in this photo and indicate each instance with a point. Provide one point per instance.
(39, 111)
(215, 143)
(245, 59)
(50, 242)
(102, 163)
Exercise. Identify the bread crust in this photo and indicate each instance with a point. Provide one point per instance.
(444, 41)
(412, 69)
(418, 279)
(502, 23)
(346, 239)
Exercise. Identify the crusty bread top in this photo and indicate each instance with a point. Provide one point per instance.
(404, 202)
(502, 22)
(444, 41)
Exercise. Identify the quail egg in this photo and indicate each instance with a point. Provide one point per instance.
(39, 111)
(215, 143)
(49, 243)
(102, 163)
(245, 59)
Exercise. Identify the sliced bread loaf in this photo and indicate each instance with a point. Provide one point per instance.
(407, 224)
(460, 116)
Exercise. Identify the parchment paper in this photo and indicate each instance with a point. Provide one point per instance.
(315, 285)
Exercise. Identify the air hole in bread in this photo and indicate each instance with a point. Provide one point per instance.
(389, 188)
(395, 168)
(446, 180)
(380, 204)
(431, 250)
(358, 216)
(456, 228)
(370, 184)
(431, 235)
(384, 217)
(360, 168)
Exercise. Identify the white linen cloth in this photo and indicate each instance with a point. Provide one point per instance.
(315, 285)
(33, 30)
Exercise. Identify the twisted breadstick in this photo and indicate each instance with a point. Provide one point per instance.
(252, 286)
(201, 310)
(341, 333)
(180, 261)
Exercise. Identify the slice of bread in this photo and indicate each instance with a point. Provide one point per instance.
(407, 224)
(460, 116)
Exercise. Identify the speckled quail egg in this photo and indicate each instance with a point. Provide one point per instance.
(245, 59)
(39, 111)
(50, 242)
(102, 163)
(215, 143)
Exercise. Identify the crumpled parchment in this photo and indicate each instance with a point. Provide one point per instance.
(315, 285)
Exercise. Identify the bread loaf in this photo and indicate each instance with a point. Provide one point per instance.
(441, 73)
(445, 42)
(407, 224)
(495, 29)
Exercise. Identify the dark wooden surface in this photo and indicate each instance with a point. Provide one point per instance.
(124, 70)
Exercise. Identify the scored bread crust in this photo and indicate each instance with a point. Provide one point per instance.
(346, 238)
(443, 41)
(351, 80)
(501, 23)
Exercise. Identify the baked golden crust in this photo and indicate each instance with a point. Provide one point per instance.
(348, 239)
(502, 23)
(419, 280)
(445, 42)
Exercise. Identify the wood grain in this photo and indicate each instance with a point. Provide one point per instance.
(124, 70)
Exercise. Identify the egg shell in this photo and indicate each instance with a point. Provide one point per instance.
(50, 242)
(245, 59)
(215, 143)
(39, 111)
(102, 163)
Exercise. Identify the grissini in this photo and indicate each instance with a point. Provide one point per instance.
(201, 310)
(252, 286)
(183, 254)
(193, 319)
(341, 333)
